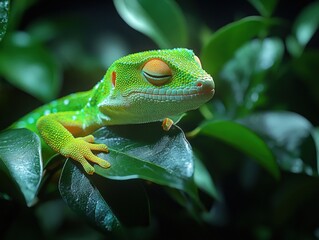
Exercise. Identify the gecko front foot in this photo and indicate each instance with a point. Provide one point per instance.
(80, 149)
(167, 124)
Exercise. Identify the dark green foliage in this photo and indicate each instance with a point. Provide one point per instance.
(257, 139)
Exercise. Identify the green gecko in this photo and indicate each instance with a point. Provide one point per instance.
(138, 88)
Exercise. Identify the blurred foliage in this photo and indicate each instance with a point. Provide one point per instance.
(252, 170)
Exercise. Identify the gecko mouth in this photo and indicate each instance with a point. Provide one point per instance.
(176, 95)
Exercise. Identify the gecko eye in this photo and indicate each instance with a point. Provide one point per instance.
(197, 60)
(157, 72)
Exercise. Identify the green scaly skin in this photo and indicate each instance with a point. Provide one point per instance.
(138, 88)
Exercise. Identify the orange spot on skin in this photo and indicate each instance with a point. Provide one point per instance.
(113, 78)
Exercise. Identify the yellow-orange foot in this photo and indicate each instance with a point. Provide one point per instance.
(167, 124)
(80, 149)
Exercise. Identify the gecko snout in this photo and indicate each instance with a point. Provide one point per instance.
(206, 84)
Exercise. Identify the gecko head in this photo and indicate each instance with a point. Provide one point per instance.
(152, 85)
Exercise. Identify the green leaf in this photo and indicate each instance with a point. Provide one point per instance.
(264, 7)
(27, 65)
(165, 158)
(223, 43)
(20, 160)
(4, 16)
(306, 23)
(285, 132)
(243, 139)
(83, 197)
(162, 21)
(303, 29)
(246, 71)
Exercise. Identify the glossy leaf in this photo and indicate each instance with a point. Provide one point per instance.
(29, 66)
(264, 7)
(20, 160)
(223, 44)
(161, 157)
(4, 16)
(84, 198)
(243, 139)
(285, 132)
(162, 21)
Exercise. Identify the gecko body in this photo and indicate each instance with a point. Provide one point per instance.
(138, 88)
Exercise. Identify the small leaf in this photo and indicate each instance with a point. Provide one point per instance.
(29, 66)
(4, 16)
(284, 132)
(223, 43)
(20, 159)
(83, 197)
(162, 21)
(243, 139)
(264, 7)
(161, 157)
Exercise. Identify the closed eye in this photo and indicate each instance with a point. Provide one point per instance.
(157, 80)
(146, 74)
(157, 72)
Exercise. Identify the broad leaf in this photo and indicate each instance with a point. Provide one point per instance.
(162, 157)
(243, 139)
(146, 151)
(4, 16)
(162, 21)
(83, 197)
(29, 66)
(223, 44)
(20, 160)
(284, 132)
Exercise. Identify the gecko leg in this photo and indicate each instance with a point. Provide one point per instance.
(56, 130)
